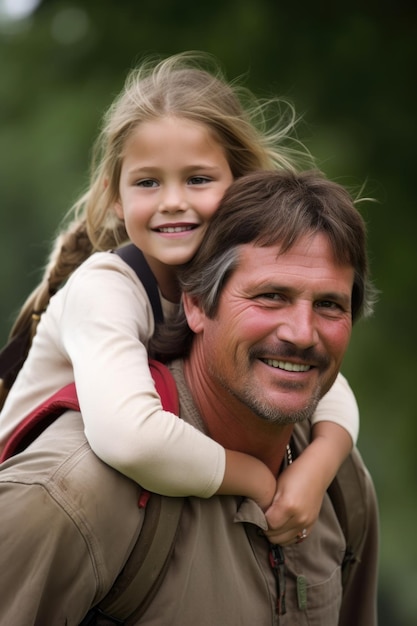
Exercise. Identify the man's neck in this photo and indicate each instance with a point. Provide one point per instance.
(233, 424)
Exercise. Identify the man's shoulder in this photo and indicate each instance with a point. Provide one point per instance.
(71, 473)
(89, 510)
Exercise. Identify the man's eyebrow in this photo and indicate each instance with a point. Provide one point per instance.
(271, 287)
(268, 286)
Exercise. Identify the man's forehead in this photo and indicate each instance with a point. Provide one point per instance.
(304, 249)
(311, 255)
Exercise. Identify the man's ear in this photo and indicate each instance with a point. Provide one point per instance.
(193, 312)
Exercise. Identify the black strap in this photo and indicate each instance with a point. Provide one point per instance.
(135, 258)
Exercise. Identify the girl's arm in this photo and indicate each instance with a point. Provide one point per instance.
(245, 475)
(301, 487)
(105, 325)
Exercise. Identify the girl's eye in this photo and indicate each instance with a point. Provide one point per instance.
(198, 180)
(147, 182)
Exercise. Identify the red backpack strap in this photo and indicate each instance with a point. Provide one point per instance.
(40, 418)
(66, 399)
(165, 386)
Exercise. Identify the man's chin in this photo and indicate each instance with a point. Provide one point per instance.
(282, 411)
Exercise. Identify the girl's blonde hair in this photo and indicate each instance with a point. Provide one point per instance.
(255, 135)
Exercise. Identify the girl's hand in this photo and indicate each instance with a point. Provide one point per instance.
(301, 486)
(295, 506)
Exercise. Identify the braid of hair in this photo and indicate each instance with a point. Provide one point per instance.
(71, 248)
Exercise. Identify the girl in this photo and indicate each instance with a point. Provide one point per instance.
(171, 144)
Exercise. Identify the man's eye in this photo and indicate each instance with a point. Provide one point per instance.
(330, 306)
(273, 297)
(147, 182)
(198, 180)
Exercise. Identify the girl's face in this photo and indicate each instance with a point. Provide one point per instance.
(173, 176)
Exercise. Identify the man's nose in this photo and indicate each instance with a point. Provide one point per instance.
(297, 326)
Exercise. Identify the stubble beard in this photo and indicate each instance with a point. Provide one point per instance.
(276, 414)
(268, 412)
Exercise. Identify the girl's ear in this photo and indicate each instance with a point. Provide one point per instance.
(193, 312)
(118, 209)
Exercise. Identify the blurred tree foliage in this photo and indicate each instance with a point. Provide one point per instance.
(349, 70)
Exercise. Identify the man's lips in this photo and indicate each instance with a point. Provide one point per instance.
(289, 358)
(287, 365)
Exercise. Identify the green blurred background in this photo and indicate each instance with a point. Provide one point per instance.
(349, 69)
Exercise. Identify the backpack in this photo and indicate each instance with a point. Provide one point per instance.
(138, 583)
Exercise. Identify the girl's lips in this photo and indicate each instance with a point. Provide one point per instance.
(175, 228)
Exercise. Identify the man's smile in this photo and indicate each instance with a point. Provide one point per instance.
(286, 365)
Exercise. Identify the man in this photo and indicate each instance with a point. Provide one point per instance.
(269, 302)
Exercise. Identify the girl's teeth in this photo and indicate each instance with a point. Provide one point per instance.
(175, 229)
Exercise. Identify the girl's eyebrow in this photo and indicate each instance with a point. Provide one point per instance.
(189, 168)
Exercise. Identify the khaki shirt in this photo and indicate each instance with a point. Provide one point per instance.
(69, 523)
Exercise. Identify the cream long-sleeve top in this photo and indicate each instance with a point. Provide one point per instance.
(96, 332)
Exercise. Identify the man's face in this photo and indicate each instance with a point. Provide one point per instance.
(281, 330)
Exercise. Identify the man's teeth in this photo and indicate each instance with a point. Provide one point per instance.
(289, 367)
(175, 229)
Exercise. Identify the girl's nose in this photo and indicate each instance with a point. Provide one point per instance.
(173, 200)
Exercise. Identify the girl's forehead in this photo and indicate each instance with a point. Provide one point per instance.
(172, 120)
(159, 133)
